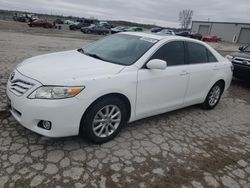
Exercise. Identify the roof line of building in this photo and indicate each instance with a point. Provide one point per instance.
(220, 22)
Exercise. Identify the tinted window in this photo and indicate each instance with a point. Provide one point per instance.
(211, 57)
(172, 52)
(197, 53)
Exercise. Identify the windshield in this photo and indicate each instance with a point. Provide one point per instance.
(247, 49)
(120, 49)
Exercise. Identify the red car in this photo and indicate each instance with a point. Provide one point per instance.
(40, 23)
(211, 38)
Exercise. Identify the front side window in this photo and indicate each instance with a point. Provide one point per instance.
(172, 52)
(199, 54)
(120, 49)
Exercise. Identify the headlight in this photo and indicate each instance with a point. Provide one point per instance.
(57, 92)
(229, 57)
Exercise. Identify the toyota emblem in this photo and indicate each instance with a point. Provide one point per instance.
(12, 76)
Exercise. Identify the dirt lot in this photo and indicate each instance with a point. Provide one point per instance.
(185, 148)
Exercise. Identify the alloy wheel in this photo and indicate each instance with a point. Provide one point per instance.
(214, 96)
(106, 121)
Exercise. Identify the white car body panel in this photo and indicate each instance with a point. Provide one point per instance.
(155, 91)
(69, 68)
(150, 92)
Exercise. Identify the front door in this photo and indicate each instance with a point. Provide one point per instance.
(159, 91)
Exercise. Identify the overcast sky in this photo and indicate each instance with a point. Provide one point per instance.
(161, 12)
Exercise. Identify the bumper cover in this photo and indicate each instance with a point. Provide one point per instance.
(65, 114)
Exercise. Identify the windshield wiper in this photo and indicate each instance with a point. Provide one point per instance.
(90, 54)
(94, 56)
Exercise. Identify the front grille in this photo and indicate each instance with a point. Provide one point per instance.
(241, 61)
(19, 87)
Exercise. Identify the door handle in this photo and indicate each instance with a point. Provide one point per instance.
(184, 73)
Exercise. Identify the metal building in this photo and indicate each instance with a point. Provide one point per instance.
(227, 31)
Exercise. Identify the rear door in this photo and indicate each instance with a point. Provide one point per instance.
(203, 67)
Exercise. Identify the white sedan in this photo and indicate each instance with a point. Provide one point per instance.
(95, 90)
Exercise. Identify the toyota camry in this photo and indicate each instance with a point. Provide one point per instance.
(96, 90)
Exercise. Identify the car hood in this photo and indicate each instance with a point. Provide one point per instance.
(241, 55)
(66, 68)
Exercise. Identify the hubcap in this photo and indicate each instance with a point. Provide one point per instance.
(214, 96)
(106, 121)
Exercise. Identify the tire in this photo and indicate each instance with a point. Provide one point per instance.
(95, 119)
(213, 96)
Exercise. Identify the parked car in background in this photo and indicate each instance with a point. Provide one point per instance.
(95, 90)
(210, 38)
(156, 29)
(95, 29)
(24, 17)
(135, 29)
(19, 17)
(86, 29)
(117, 29)
(40, 23)
(190, 35)
(88, 21)
(105, 24)
(241, 62)
(166, 32)
(183, 33)
(69, 22)
(197, 36)
(78, 25)
(33, 18)
(58, 21)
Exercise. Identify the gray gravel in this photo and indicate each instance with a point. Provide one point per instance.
(185, 148)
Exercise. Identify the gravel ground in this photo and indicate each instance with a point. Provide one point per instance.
(185, 148)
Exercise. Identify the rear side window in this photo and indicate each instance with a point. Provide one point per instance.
(172, 53)
(199, 54)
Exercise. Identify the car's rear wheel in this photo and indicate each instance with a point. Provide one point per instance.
(213, 96)
(104, 120)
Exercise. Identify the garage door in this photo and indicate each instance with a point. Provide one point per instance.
(244, 36)
(204, 29)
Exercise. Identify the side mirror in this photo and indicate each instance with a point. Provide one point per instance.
(241, 48)
(157, 64)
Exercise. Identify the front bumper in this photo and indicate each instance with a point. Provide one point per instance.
(64, 114)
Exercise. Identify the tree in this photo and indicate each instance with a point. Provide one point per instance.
(185, 18)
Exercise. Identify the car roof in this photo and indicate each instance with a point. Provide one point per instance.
(157, 36)
(160, 37)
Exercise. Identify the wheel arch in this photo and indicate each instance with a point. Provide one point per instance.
(222, 82)
(117, 95)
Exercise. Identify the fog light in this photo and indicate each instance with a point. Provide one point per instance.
(44, 124)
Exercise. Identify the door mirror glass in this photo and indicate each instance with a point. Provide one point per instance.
(157, 64)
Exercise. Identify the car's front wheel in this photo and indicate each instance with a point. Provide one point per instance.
(213, 96)
(104, 120)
